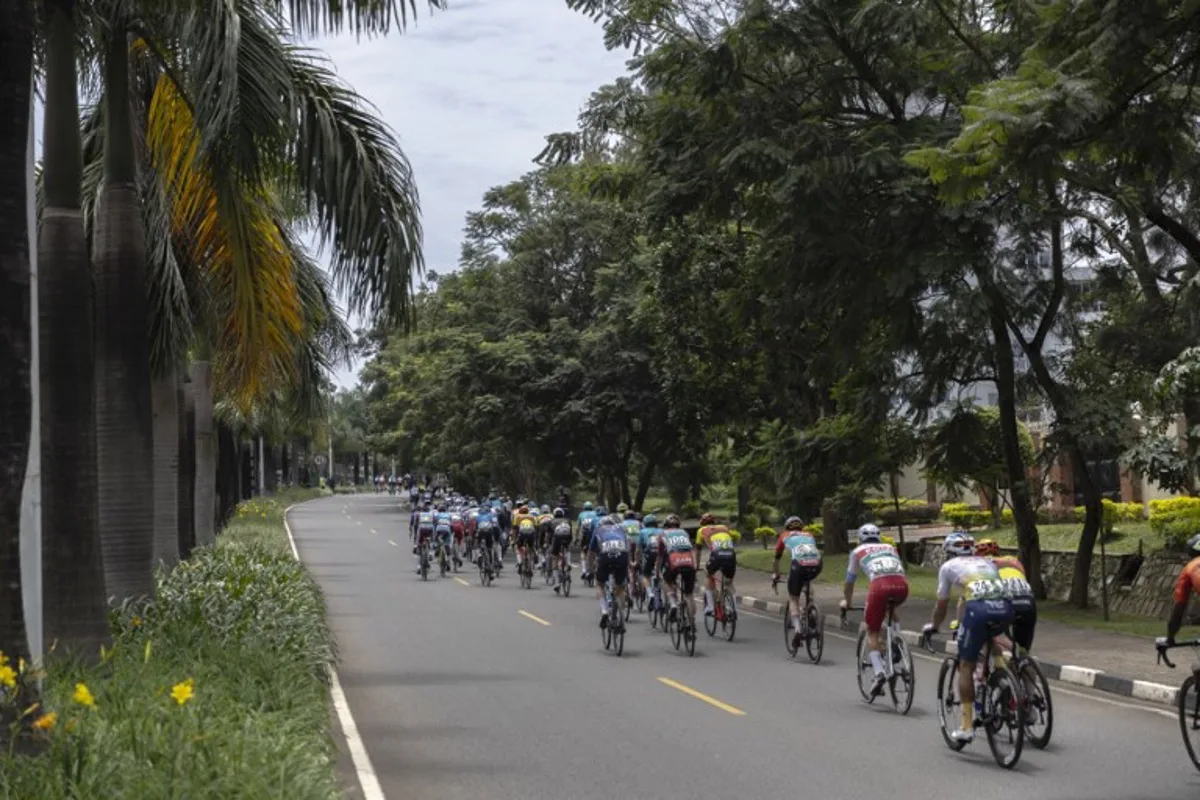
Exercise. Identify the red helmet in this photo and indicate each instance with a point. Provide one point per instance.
(707, 519)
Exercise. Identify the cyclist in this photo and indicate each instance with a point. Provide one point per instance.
(1012, 572)
(560, 545)
(721, 556)
(545, 531)
(611, 549)
(444, 527)
(805, 559)
(648, 546)
(677, 563)
(886, 584)
(586, 528)
(1187, 583)
(525, 527)
(426, 524)
(633, 530)
(487, 534)
(986, 604)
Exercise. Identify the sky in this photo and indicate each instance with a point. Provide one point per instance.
(471, 92)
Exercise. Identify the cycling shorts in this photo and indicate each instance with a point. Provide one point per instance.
(487, 535)
(883, 590)
(561, 543)
(612, 564)
(686, 575)
(424, 533)
(725, 561)
(1024, 621)
(799, 576)
(649, 559)
(981, 620)
(525, 539)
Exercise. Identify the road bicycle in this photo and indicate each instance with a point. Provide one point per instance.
(1039, 710)
(443, 559)
(812, 625)
(897, 665)
(546, 568)
(486, 571)
(613, 633)
(1188, 701)
(423, 560)
(683, 627)
(638, 594)
(564, 576)
(658, 607)
(525, 569)
(999, 701)
(724, 612)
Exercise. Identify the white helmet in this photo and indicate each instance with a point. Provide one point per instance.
(959, 543)
(868, 533)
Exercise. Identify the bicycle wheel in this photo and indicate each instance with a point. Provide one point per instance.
(1189, 716)
(1005, 709)
(606, 633)
(675, 628)
(689, 634)
(729, 618)
(1039, 710)
(710, 623)
(949, 706)
(903, 682)
(655, 611)
(483, 572)
(424, 567)
(815, 642)
(566, 584)
(788, 633)
(865, 674)
(639, 597)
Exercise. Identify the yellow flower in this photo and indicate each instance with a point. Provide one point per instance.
(136, 622)
(83, 696)
(46, 721)
(8, 676)
(183, 691)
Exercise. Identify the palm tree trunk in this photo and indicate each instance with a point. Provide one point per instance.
(73, 592)
(186, 518)
(124, 423)
(206, 454)
(164, 393)
(16, 406)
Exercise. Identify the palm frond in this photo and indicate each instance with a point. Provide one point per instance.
(359, 188)
(323, 319)
(313, 17)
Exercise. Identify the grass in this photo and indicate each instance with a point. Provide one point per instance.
(215, 688)
(1124, 538)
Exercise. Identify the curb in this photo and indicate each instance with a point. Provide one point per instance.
(1086, 677)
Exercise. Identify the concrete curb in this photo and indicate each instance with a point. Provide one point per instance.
(1065, 673)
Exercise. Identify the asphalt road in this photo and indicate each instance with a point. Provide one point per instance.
(461, 691)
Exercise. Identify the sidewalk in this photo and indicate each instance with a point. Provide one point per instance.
(1109, 662)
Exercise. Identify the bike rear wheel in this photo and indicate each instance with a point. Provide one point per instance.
(675, 629)
(789, 633)
(949, 706)
(566, 584)
(729, 617)
(903, 682)
(689, 634)
(1039, 710)
(1005, 708)
(865, 673)
(814, 643)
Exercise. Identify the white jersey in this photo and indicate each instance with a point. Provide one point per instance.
(978, 577)
(876, 559)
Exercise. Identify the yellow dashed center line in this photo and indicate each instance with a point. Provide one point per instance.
(460, 580)
(527, 615)
(712, 701)
(393, 544)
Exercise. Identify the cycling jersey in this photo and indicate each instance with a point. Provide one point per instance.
(648, 540)
(1012, 572)
(425, 522)
(586, 517)
(716, 537)
(612, 554)
(678, 558)
(801, 546)
(876, 559)
(988, 606)
(526, 527)
(1188, 581)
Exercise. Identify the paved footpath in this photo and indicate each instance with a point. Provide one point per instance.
(461, 691)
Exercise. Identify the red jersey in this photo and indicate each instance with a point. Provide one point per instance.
(1188, 582)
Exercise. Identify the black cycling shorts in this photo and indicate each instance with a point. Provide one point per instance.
(799, 576)
(648, 562)
(614, 564)
(685, 575)
(723, 560)
(525, 539)
(560, 544)
(1024, 621)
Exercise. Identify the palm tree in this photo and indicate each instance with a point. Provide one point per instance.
(73, 598)
(16, 78)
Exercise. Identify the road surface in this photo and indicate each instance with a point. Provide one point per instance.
(461, 691)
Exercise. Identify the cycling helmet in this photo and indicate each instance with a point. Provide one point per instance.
(707, 519)
(794, 523)
(987, 547)
(672, 521)
(959, 543)
(442, 507)
(614, 519)
(559, 513)
(650, 520)
(868, 533)
(622, 508)
(523, 509)
(630, 514)
(1194, 543)
(587, 506)
(545, 509)
(601, 511)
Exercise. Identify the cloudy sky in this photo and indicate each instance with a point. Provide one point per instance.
(471, 91)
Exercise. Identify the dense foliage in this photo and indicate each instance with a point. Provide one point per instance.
(800, 232)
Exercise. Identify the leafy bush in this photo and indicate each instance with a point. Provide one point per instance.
(215, 688)
(765, 534)
(815, 528)
(736, 534)
(1006, 516)
(1177, 532)
(1055, 516)
(963, 516)
(913, 514)
(1174, 516)
(750, 521)
(691, 509)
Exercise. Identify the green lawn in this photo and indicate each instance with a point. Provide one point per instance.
(1124, 538)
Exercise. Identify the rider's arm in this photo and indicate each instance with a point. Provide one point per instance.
(945, 584)
(778, 553)
(851, 577)
(1183, 591)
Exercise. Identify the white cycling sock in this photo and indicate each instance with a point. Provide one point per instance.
(877, 662)
(603, 605)
(708, 600)
(795, 622)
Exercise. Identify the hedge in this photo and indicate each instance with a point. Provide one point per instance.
(912, 514)
(963, 516)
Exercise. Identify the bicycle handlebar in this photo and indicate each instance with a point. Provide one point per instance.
(846, 610)
(1163, 647)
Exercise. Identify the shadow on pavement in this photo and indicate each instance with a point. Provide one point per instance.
(362, 680)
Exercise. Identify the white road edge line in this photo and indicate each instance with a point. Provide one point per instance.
(363, 768)
(1059, 686)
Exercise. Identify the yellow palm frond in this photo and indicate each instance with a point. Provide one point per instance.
(228, 228)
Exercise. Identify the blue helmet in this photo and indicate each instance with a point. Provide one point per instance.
(587, 506)
(650, 520)
(959, 543)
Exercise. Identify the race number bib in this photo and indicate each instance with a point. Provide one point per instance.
(805, 553)
(1018, 587)
(880, 564)
(613, 546)
(678, 541)
(986, 589)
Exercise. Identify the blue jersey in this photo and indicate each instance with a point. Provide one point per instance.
(485, 519)
(648, 539)
(442, 519)
(676, 540)
(425, 521)
(610, 539)
(632, 529)
(586, 520)
(801, 546)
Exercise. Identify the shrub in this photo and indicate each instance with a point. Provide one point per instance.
(1006, 516)
(691, 509)
(963, 516)
(750, 521)
(1055, 516)
(1173, 516)
(765, 534)
(1177, 532)
(815, 528)
(736, 534)
(912, 514)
